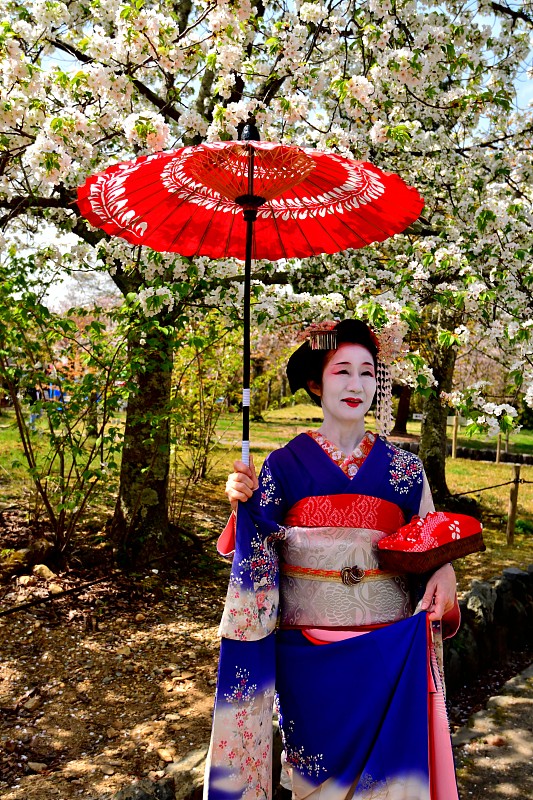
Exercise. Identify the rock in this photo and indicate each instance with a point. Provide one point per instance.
(481, 602)
(140, 617)
(185, 676)
(26, 580)
(37, 766)
(146, 789)
(111, 733)
(165, 755)
(33, 703)
(42, 571)
(512, 573)
(124, 651)
(107, 769)
(188, 773)
(55, 588)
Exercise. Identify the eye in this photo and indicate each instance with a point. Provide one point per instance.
(342, 372)
(369, 373)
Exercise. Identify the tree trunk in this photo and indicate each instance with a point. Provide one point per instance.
(433, 434)
(92, 415)
(140, 527)
(400, 423)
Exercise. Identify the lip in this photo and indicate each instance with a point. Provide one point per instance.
(352, 402)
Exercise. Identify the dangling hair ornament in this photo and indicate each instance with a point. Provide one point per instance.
(322, 335)
(390, 341)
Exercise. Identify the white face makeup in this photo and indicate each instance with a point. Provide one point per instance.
(348, 384)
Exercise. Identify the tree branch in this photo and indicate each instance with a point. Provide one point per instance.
(163, 106)
(498, 8)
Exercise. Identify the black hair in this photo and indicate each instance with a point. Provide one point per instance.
(307, 364)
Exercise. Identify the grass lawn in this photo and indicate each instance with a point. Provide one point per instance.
(463, 475)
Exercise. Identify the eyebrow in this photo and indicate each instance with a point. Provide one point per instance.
(348, 363)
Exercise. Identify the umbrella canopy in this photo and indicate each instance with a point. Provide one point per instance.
(248, 199)
(190, 201)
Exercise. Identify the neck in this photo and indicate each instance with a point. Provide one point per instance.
(346, 439)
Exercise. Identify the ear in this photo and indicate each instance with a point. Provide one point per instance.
(315, 388)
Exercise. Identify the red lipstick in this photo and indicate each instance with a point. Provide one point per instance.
(353, 402)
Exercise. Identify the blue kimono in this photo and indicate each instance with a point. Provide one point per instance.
(354, 713)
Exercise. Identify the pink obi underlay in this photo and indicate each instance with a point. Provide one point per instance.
(346, 511)
(325, 636)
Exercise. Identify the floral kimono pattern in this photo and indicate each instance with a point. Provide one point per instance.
(354, 713)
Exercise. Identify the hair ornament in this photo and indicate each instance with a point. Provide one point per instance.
(322, 335)
(390, 343)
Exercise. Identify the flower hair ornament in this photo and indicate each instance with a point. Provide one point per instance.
(388, 343)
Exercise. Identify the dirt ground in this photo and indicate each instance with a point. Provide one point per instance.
(494, 753)
(102, 687)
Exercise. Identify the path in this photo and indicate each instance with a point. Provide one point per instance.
(494, 752)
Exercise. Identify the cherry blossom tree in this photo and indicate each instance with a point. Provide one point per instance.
(427, 89)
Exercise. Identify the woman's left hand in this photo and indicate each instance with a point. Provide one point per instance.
(439, 596)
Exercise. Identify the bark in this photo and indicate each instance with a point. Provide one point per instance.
(402, 415)
(433, 434)
(140, 527)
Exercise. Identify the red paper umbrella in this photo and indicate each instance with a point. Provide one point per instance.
(248, 199)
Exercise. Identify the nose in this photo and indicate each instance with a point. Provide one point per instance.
(355, 384)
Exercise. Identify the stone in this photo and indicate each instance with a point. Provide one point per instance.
(37, 766)
(26, 580)
(481, 601)
(165, 755)
(188, 774)
(146, 789)
(111, 733)
(55, 588)
(124, 651)
(140, 617)
(42, 571)
(512, 573)
(33, 703)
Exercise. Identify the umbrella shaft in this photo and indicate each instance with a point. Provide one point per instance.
(250, 216)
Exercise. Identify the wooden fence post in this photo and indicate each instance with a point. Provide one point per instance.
(513, 502)
(454, 434)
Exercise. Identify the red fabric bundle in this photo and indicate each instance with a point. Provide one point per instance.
(424, 545)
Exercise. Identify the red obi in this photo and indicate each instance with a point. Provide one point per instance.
(346, 511)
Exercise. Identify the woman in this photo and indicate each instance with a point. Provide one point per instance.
(360, 698)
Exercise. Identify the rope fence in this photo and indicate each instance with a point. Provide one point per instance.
(513, 499)
(486, 488)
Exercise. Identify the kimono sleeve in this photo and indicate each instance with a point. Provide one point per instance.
(252, 600)
(267, 506)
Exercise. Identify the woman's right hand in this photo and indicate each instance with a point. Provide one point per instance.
(241, 483)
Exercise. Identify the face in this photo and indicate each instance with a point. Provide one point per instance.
(348, 384)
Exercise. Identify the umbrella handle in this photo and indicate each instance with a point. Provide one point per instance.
(245, 446)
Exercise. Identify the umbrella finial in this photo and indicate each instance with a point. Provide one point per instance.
(250, 133)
